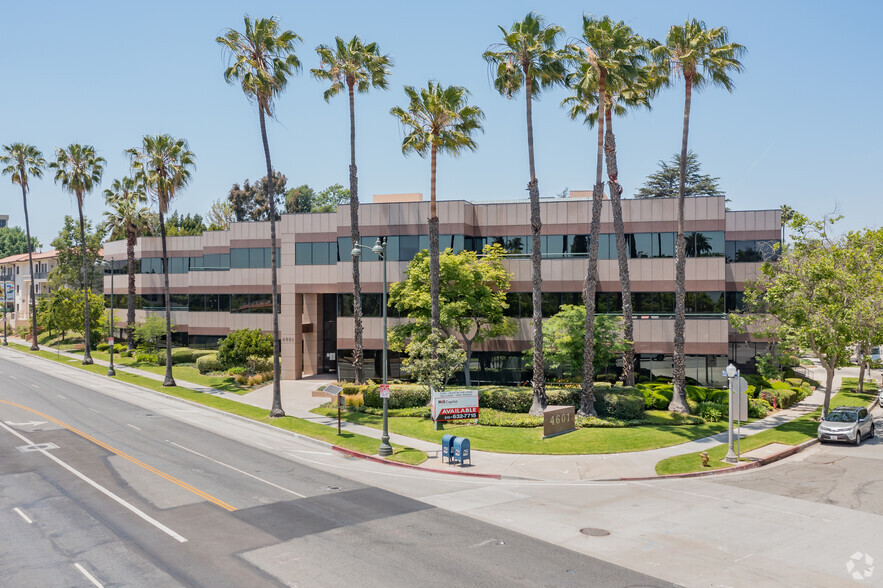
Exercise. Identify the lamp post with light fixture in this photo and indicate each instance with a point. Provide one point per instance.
(380, 250)
(732, 372)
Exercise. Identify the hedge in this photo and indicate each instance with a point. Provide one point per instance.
(209, 363)
(400, 396)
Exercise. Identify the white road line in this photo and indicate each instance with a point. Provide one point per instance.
(13, 377)
(101, 488)
(235, 469)
(95, 411)
(743, 557)
(133, 426)
(60, 396)
(89, 576)
(23, 515)
(264, 445)
(35, 386)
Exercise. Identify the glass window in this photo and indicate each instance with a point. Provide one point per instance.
(666, 303)
(371, 305)
(256, 257)
(642, 302)
(641, 245)
(211, 302)
(345, 305)
(768, 250)
(238, 302)
(746, 251)
(550, 304)
(578, 245)
(606, 247)
(715, 244)
(179, 301)
(734, 301)
(196, 263)
(730, 251)
(409, 245)
(423, 242)
(321, 254)
(663, 245)
(303, 253)
(238, 257)
(553, 245)
(197, 302)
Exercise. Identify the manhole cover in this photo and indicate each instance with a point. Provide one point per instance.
(334, 487)
(592, 532)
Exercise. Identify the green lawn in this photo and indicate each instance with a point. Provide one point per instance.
(795, 432)
(851, 385)
(188, 373)
(352, 441)
(530, 440)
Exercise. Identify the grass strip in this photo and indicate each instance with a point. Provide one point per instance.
(529, 440)
(352, 441)
(794, 432)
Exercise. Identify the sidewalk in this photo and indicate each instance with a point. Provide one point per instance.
(298, 401)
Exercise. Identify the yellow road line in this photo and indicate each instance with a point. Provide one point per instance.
(128, 457)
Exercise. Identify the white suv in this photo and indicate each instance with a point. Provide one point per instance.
(846, 423)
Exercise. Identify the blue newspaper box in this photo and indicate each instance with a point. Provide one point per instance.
(447, 446)
(461, 450)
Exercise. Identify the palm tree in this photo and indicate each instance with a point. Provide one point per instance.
(701, 56)
(163, 165)
(622, 55)
(262, 60)
(129, 218)
(78, 169)
(354, 66)
(22, 161)
(528, 56)
(437, 119)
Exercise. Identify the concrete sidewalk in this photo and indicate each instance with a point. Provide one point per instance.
(298, 400)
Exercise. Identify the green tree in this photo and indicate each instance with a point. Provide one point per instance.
(22, 163)
(14, 241)
(262, 60)
(864, 272)
(220, 216)
(78, 168)
(163, 164)
(330, 198)
(564, 339)
(179, 225)
(701, 56)
(127, 218)
(97, 315)
(434, 360)
(665, 182)
(437, 119)
(354, 66)
(58, 312)
(240, 347)
(299, 200)
(251, 202)
(152, 330)
(69, 270)
(810, 294)
(528, 56)
(472, 299)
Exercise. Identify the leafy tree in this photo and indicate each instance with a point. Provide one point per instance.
(437, 119)
(163, 165)
(96, 312)
(299, 200)
(665, 182)
(701, 56)
(472, 299)
(251, 201)
(69, 271)
(354, 66)
(262, 60)
(240, 348)
(528, 56)
(564, 337)
(14, 241)
(59, 311)
(330, 198)
(127, 217)
(864, 272)
(23, 162)
(152, 330)
(434, 360)
(220, 216)
(78, 168)
(180, 225)
(622, 57)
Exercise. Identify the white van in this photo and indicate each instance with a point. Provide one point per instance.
(874, 355)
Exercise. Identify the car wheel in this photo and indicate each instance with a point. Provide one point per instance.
(873, 432)
(858, 436)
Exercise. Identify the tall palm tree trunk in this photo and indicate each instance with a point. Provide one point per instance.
(169, 380)
(628, 328)
(679, 365)
(130, 299)
(587, 398)
(33, 290)
(87, 331)
(276, 410)
(434, 286)
(358, 352)
(539, 377)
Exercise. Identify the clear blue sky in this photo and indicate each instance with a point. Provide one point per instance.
(803, 126)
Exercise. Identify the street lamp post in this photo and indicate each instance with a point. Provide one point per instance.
(380, 250)
(732, 372)
(109, 264)
(5, 308)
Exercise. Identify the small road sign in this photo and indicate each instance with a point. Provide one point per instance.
(384, 390)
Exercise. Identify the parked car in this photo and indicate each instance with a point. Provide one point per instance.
(846, 423)
(874, 355)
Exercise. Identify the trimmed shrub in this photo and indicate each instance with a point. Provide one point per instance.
(692, 406)
(657, 397)
(796, 382)
(209, 363)
(758, 408)
(400, 396)
(496, 418)
(779, 385)
(259, 365)
(233, 371)
(145, 357)
(102, 347)
(620, 403)
(712, 411)
(507, 399)
(238, 346)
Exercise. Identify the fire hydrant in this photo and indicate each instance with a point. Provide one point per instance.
(704, 456)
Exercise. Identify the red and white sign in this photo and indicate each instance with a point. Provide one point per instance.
(384, 390)
(454, 405)
(110, 340)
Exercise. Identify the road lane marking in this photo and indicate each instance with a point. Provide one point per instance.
(23, 515)
(101, 488)
(235, 469)
(60, 396)
(128, 457)
(133, 426)
(35, 386)
(89, 576)
(95, 411)
(264, 445)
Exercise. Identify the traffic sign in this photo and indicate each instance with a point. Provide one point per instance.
(740, 386)
(384, 390)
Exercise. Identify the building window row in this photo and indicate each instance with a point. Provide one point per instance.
(235, 303)
(238, 258)
(753, 250)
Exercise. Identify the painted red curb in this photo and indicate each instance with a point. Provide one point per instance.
(376, 459)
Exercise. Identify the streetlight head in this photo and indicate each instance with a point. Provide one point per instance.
(379, 246)
(356, 252)
(731, 371)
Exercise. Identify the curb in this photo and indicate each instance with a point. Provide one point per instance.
(376, 459)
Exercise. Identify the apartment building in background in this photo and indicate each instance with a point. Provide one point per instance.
(220, 281)
(4, 220)
(15, 276)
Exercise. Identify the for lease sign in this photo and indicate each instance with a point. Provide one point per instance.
(452, 405)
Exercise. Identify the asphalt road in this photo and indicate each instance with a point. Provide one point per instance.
(102, 484)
